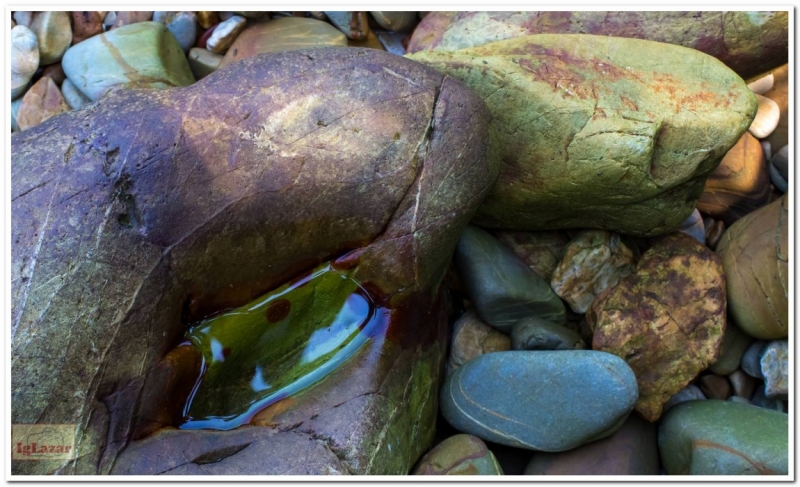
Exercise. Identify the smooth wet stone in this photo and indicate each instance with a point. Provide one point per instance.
(751, 359)
(585, 395)
(285, 34)
(762, 84)
(393, 42)
(395, 21)
(780, 94)
(24, 59)
(761, 400)
(355, 25)
(775, 368)
(743, 385)
(715, 387)
(632, 450)
(723, 438)
(203, 62)
(183, 26)
(542, 251)
(152, 59)
(780, 161)
(760, 42)
(54, 32)
(85, 25)
(767, 147)
(688, 393)
(755, 254)
(501, 287)
(473, 338)
(739, 185)
(767, 117)
(72, 95)
(734, 344)
(593, 261)
(459, 455)
(124, 18)
(225, 33)
(714, 231)
(777, 180)
(666, 320)
(41, 102)
(537, 334)
(621, 167)
(206, 19)
(693, 227)
(23, 17)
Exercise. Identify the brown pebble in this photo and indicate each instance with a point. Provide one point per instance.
(207, 19)
(743, 385)
(715, 387)
(714, 232)
(86, 25)
(55, 72)
(42, 101)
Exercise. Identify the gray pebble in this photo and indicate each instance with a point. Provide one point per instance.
(688, 393)
(751, 360)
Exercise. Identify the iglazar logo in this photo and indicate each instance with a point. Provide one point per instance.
(42, 441)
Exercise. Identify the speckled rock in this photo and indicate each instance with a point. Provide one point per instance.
(151, 58)
(225, 33)
(473, 338)
(780, 94)
(355, 25)
(285, 34)
(588, 396)
(739, 185)
(123, 18)
(544, 92)
(54, 32)
(72, 95)
(183, 26)
(751, 359)
(688, 393)
(538, 334)
(632, 450)
(715, 387)
(734, 344)
(395, 21)
(86, 25)
(775, 369)
(749, 42)
(593, 261)
(666, 320)
(755, 254)
(542, 251)
(459, 455)
(767, 117)
(723, 438)
(743, 385)
(41, 102)
(24, 59)
(501, 287)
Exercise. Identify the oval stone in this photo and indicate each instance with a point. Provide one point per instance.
(541, 400)
(724, 438)
(459, 455)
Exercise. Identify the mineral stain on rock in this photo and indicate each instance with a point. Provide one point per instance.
(277, 345)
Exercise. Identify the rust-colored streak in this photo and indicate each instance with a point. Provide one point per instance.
(760, 467)
(278, 311)
(266, 415)
(132, 74)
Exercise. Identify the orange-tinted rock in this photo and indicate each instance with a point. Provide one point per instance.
(666, 320)
(739, 185)
(473, 338)
(85, 25)
(42, 101)
(55, 72)
(207, 19)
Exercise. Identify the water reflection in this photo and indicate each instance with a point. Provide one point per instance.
(276, 346)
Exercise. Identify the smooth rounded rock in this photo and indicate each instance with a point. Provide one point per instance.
(715, 387)
(762, 85)
(285, 34)
(538, 334)
(777, 179)
(688, 393)
(109, 19)
(85, 25)
(24, 59)
(593, 261)
(775, 369)
(767, 117)
(734, 344)
(755, 255)
(632, 450)
(473, 338)
(429, 30)
(41, 102)
(751, 359)
(183, 26)
(54, 32)
(395, 21)
(203, 62)
(225, 33)
(500, 285)
(355, 25)
(142, 55)
(723, 438)
(72, 95)
(780, 94)
(206, 19)
(743, 385)
(459, 455)
(124, 18)
(540, 400)
(23, 17)
(780, 160)
(761, 400)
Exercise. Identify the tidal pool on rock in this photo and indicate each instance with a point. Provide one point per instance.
(277, 345)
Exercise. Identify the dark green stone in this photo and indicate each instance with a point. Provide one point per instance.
(538, 334)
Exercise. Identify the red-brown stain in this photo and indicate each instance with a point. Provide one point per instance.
(760, 467)
(278, 310)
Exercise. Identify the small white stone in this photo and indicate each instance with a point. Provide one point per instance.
(75, 99)
(225, 33)
(767, 117)
(762, 85)
(24, 58)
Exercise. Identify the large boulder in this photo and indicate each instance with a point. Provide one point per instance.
(600, 132)
(748, 42)
(153, 209)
